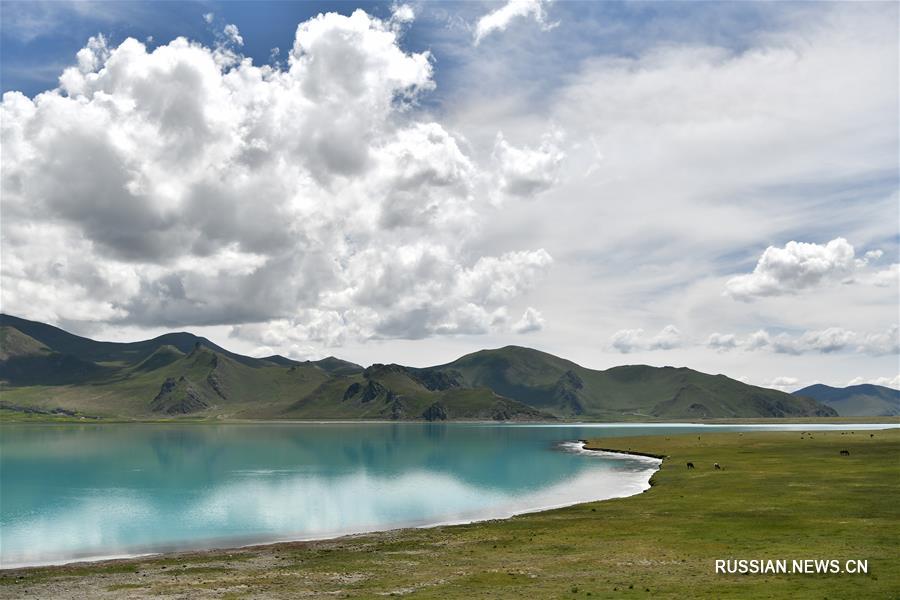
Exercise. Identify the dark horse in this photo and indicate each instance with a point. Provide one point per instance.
(845, 453)
(690, 465)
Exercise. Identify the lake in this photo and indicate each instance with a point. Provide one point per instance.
(70, 492)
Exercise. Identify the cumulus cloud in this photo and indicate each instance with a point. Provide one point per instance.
(94, 54)
(187, 186)
(785, 384)
(402, 13)
(882, 343)
(233, 35)
(823, 341)
(796, 267)
(891, 382)
(722, 341)
(499, 20)
(298, 337)
(525, 171)
(666, 339)
(531, 320)
(889, 276)
(633, 340)
(627, 340)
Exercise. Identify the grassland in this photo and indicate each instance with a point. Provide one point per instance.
(779, 495)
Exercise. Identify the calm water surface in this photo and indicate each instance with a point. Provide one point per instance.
(84, 491)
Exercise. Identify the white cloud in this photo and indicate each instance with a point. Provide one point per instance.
(823, 341)
(627, 340)
(884, 343)
(499, 20)
(873, 255)
(785, 384)
(709, 145)
(402, 13)
(722, 341)
(208, 17)
(798, 266)
(324, 328)
(666, 339)
(233, 35)
(632, 340)
(891, 382)
(886, 277)
(187, 186)
(525, 171)
(531, 320)
(94, 54)
(828, 340)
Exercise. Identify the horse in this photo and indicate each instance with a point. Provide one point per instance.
(717, 467)
(845, 453)
(690, 465)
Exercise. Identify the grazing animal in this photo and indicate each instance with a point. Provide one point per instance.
(871, 435)
(717, 467)
(845, 453)
(690, 465)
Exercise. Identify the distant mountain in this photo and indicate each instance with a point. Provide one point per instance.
(628, 392)
(45, 369)
(866, 400)
(120, 353)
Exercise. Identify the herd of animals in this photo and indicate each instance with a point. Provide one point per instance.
(718, 467)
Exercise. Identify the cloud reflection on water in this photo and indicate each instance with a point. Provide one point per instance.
(278, 504)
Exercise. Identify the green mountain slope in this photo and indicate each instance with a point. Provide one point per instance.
(14, 343)
(394, 392)
(179, 375)
(635, 391)
(864, 400)
(182, 375)
(115, 353)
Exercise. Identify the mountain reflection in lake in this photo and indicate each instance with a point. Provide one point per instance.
(71, 491)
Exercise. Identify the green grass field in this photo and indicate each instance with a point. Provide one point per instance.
(779, 495)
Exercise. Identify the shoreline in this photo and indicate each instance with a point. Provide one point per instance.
(718, 422)
(660, 457)
(833, 501)
(166, 552)
(174, 551)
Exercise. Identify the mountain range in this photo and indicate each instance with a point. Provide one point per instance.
(44, 369)
(866, 400)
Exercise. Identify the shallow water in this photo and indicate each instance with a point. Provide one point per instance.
(72, 492)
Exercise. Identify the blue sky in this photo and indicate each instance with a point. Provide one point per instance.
(711, 184)
(39, 38)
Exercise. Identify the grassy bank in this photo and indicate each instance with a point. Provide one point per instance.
(779, 495)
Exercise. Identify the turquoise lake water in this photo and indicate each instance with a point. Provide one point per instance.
(71, 492)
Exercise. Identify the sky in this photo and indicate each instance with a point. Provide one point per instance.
(703, 184)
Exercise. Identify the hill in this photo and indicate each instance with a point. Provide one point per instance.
(45, 369)
(627, 392)
(866, 400)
